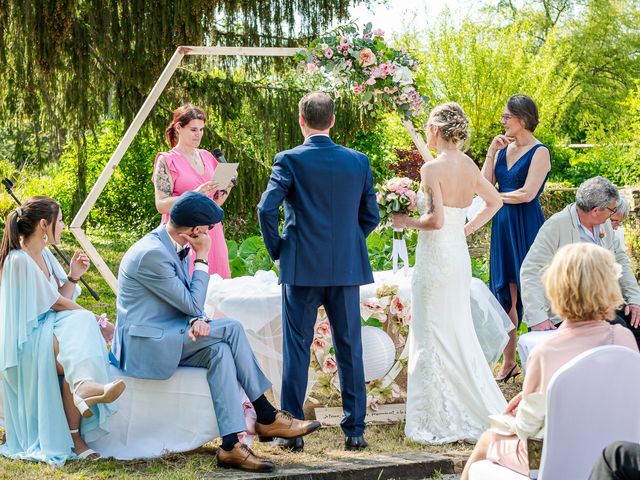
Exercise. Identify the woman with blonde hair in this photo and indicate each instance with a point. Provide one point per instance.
(450, 388)
(582, 286)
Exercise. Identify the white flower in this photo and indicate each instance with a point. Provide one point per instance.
(403, 76)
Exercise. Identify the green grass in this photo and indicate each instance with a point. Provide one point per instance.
(321, 447)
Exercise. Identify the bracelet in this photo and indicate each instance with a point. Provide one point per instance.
(201, 260)
(73, 280)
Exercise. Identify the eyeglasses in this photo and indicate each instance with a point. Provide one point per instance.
(505, 117)
(211, 226)
(613, 212)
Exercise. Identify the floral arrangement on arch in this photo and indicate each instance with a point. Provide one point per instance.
(366, 65)
(388, 311)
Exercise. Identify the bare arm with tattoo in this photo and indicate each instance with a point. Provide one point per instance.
(163, 182)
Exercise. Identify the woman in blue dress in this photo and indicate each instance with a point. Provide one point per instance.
(43, 334)
(519, 164)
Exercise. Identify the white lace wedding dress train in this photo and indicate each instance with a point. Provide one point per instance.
(450, 387)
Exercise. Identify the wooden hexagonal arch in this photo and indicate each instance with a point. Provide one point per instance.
(141, 116)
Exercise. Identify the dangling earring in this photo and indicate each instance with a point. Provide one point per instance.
(45, 237)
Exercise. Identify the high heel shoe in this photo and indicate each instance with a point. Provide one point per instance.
(510, 374)
(111, 391)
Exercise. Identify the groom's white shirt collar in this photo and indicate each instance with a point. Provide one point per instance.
(318, 135)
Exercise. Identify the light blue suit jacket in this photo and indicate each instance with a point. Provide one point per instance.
(156, 299)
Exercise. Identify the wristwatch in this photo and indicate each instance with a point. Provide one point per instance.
(201, 260)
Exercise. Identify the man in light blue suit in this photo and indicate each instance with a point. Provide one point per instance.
(161, 324)
(329, 209)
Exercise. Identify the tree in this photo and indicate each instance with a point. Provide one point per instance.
(66, 64)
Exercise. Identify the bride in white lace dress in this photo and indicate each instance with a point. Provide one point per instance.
(451, 390)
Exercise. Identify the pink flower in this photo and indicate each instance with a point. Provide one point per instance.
(329, 364)
(406, 320)
(367, 57)
(311, 67)
(344, 41)
(378, 72)
(348, 63)
(367, 36)
(378, 32)
(387, 90)
(345, 53)
(249, 417)
(373, 308)
(370, 81)
(377, 91)
(324, 329)
(373, 402)
(319, 344)
(397, 306)
(328, 52)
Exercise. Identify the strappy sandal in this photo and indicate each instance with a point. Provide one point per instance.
(110, 393)
(88, 454)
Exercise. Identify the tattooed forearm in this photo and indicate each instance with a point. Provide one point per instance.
(164, 182)
(428, 195)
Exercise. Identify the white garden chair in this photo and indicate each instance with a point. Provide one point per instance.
(591, 402)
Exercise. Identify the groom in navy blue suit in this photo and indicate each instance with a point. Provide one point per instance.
(329, 209)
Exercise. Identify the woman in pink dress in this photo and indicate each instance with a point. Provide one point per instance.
(582, 286)
(187, 168)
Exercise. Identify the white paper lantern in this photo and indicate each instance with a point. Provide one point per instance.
(378, 353)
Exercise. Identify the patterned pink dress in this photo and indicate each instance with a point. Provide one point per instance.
(186, 178)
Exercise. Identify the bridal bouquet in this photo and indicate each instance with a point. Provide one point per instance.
(397, 195)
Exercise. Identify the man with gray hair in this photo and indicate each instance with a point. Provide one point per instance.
(586, 220)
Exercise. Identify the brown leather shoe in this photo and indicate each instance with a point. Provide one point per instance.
(285, 426)
(242, 458)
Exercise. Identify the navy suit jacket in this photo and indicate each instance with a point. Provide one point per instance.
(156, 299)
(329, 209)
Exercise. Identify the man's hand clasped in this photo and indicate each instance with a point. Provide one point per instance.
(199, 328)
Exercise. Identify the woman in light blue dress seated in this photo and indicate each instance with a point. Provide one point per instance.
(43, 334)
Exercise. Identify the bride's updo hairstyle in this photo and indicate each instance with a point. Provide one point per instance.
(452, 122)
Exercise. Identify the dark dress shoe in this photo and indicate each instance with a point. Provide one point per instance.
(355, 443)
(293, 444)
(242, 458)
(285, 426)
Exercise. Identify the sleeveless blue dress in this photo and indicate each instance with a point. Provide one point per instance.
(514, 228)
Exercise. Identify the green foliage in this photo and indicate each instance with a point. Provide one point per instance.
(249, 257)
(380, 142)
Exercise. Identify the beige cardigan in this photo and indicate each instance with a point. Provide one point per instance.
(559, 230)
